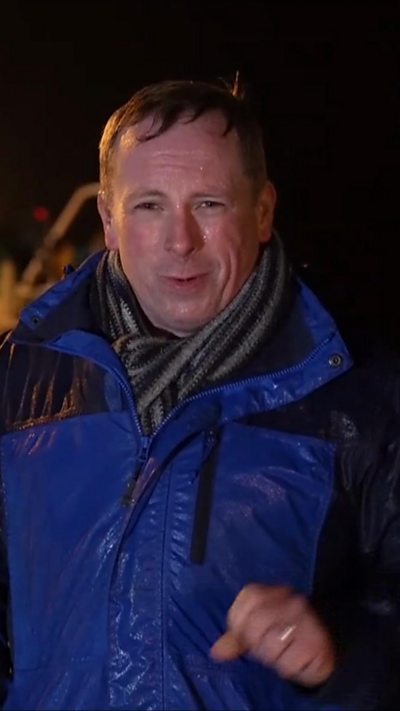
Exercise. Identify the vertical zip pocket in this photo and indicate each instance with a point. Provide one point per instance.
(204, 500)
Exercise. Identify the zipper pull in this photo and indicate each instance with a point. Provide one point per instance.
(210, 442)
(129, 499)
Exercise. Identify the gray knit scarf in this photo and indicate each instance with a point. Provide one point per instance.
(164, 370)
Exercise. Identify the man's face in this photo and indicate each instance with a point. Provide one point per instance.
(185, 220)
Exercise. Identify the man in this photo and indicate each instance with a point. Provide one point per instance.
(200, 492)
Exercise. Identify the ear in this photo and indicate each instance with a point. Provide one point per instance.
(266, 208)
(107, 220)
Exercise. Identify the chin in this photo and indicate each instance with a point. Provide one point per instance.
(183, 329)
(184, 324)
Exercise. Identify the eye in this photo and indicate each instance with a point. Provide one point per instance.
(211, 204)
(147, 206)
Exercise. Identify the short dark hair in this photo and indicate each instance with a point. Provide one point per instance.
(167, 101)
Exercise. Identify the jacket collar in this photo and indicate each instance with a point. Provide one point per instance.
(66, 307)
(63, 307)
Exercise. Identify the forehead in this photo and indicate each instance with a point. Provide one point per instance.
(201, 143)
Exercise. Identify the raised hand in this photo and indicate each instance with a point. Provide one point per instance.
(278, 628)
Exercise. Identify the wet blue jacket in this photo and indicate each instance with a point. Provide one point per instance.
(121, 553)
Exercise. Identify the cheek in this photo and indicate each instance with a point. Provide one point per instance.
(237, 260)
(227, 246)
(139, 257)
(134, 239)
(219, 237)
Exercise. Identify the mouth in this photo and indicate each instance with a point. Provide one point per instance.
(187, 282)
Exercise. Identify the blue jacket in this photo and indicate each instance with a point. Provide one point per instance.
(123, 553)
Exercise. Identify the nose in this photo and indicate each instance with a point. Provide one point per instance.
(184, 235)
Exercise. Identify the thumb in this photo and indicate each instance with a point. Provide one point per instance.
(227, 648)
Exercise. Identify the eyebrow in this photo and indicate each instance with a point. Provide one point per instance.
(145, 192)
(211, 191)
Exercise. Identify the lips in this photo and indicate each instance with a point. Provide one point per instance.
(185, 284)
(183, 278)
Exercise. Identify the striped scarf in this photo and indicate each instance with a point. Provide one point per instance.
(165, 370)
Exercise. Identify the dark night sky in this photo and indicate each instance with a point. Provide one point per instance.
(324, 77)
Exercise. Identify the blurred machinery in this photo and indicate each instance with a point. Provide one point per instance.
(45, 266)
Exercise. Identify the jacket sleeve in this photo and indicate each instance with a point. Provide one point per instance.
(367, 675)
(5, 657)
(4, 646)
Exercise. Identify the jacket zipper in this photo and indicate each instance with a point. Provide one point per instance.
(133, 490)
(241, 383)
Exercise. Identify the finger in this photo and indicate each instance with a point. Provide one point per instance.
(317, 672)
(273, 644)
(313, 673)
(248, 621)
(237, 642)
(253, 598)
(255, 626)
(227, 648)
(306, 662)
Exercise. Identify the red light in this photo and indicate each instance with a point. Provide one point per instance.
(41, 214)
